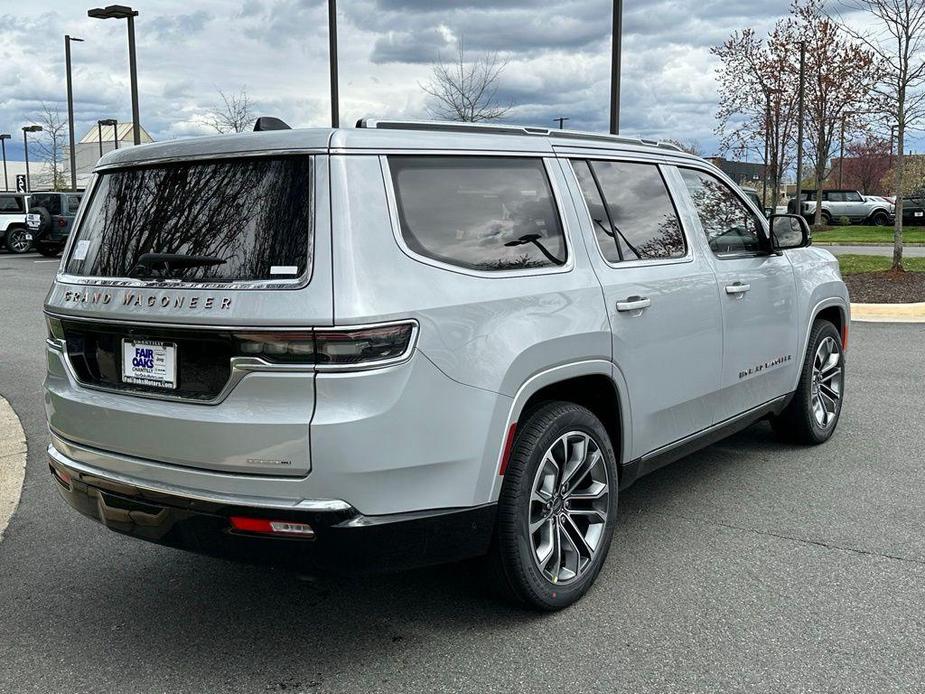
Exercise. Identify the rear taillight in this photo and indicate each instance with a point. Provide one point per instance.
(61, 221)
(362, 347)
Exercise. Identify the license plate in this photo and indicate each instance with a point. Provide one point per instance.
(149, 363)
(27, 236)
(919, 214)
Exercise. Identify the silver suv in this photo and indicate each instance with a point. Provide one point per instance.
(411, 343)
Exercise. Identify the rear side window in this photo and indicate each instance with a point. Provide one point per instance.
(631, 210)
(222, 221)
(480, 213)
(10, 203)
(73, 203)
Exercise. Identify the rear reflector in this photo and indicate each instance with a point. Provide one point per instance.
(844, 337)
(508, 447)
(61, 476)
(271, 527)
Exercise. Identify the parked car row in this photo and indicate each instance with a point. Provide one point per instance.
(40, 220)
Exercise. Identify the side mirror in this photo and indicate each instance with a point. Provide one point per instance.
(789, 231)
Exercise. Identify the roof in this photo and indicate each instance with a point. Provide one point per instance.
(377, 136)
(124, 131)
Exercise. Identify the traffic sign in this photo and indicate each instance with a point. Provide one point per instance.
(20, 183)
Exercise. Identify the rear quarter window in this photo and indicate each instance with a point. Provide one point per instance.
(10, 204)
(480, 213)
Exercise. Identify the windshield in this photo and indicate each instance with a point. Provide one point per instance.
(253, 216)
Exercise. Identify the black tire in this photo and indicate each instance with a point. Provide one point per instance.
(49, 251)
(798, 423)
(16, 242)
(880, 219)
(516, 567)
(826, 218)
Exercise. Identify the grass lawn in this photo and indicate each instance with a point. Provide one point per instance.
(851, 264)
(861, 234)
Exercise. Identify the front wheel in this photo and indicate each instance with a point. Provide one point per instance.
(557, 508)
(813, 413)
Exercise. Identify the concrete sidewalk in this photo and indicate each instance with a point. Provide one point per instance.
(12, 462)
(888, 313)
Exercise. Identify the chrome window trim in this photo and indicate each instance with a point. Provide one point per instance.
(241, 366)
(688, 257)
(282, 284)
(392, 202)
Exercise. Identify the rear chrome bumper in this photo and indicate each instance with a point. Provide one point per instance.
(342, 540)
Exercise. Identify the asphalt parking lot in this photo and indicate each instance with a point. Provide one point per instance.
(750, 566)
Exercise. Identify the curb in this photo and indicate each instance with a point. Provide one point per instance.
(866, 244)
(888, 313)
(12, 462)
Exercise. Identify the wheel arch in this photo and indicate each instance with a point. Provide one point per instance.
(834, 310)
(595, 384)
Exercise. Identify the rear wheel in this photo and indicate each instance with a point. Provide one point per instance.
(880, 219)
(557, 508)
(812, 415)
(17, 241)
(826, 218)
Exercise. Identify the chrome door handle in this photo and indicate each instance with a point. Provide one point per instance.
(737, 288)
(634, 303)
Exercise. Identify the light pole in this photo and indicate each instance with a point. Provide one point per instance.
(561, 120)
(800, 117)
(70, 107)
(332, 60)
(3, 138)
(841, 149)
(127, 13)
(616, 45)
(25, 140)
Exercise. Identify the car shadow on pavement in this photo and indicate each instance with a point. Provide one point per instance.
(198, 613)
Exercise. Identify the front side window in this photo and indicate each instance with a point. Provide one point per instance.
(853, 196)
(480, 213)
(730, 226)
(222, 221)
(631, 210)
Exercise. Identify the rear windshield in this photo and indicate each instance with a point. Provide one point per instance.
(221, 221)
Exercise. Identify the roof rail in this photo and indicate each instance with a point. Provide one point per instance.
(497, 129)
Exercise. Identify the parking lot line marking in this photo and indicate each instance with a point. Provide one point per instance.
(46, 261)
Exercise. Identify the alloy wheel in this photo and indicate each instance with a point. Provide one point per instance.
(18, 242)
(568, 507)
(826, 390)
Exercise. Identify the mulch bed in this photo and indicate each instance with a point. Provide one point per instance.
(886, 287)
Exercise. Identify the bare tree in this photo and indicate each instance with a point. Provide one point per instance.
(898, 42)
(840, 75)
(866, 164)
(691, 147)
(757, 85)
(468, 92)
(50, 146)
(233, 115)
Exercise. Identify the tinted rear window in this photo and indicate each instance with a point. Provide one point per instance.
(250, 217)
(481, 213)
(10, 203)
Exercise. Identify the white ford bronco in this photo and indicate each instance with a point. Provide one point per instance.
(409, 343)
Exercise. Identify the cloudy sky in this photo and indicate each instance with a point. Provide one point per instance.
(558, 55)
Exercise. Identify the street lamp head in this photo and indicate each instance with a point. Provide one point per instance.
(5, 136)
(32, 128)
(112, 12)
(72, 38)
